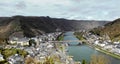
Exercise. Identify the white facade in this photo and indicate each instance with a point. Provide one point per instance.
(1, 58)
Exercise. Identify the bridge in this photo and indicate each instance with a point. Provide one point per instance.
(68, 41)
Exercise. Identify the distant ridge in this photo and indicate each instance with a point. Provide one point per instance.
(30, 26)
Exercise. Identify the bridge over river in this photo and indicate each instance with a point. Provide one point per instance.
(69, 41)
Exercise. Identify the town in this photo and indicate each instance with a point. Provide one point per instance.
(44, 49)
(36, 50)
(103, 44)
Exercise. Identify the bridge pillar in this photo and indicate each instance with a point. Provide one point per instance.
(79, 43)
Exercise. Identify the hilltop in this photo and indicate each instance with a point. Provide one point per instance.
(30, 26)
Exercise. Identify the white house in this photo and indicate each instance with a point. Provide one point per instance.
(105, 42)
(49, 46)
(96, 42)
(23, 42)
(1, 58)
(117, 50)
(116, 42)
(102, 45)
(12, 42)
(108, 47)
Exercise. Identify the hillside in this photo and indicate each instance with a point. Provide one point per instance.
(31, 26)
(111, 29)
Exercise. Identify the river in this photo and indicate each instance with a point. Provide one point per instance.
(84, 51)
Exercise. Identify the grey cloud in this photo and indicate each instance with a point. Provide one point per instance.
(20, 5)
(74, 9)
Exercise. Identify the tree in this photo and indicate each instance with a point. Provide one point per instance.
(49, 60)
(32, 42)
(84, 62)
(30, 60)
(99, 59)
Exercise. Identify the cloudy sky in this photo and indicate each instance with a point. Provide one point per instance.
(70, 9)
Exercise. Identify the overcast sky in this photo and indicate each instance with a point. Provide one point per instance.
(70, 9)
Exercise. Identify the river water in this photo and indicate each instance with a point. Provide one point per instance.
(84, 51)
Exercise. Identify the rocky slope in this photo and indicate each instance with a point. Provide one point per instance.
(29, 26)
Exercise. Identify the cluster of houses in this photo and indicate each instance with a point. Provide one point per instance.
(104, 42)
(25, 41)
(43, 48)
(15, 59)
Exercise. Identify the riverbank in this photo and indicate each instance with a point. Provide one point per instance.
(60, 37)
(85, 51)
(107, 52)
(104, 51)
(98, 48)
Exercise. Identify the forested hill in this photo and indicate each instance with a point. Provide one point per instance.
(31, 26)
(112, 29)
